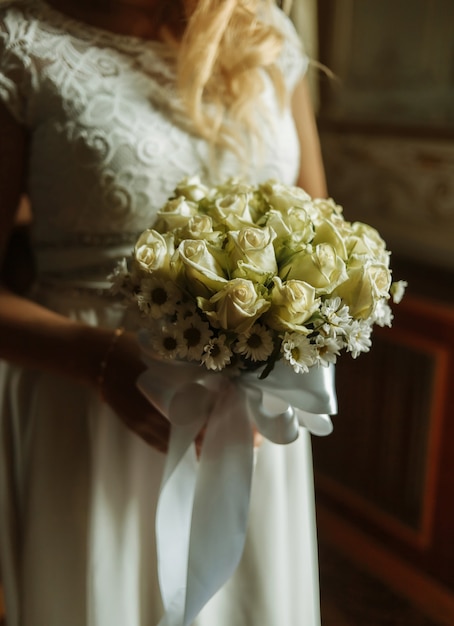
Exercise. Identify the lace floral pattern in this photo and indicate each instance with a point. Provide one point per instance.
(97, 106)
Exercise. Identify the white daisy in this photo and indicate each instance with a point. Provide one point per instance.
(120, 279)
(167, 342)
(158, 297)
(336, 316)
(185, 310)
(397, 290)
(196, 334)
(256, 345)
(328, 349)
(299, 352)
(217, 354)
(382, 313)
(358, 337)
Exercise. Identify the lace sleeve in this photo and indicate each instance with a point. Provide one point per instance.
(14, 79)
(293, 61)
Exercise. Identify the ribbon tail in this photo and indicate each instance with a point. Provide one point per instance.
(173, 522)
(221, 501)
(274, 418)
(317, 423)
(176, 500)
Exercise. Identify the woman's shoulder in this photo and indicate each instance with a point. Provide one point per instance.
(16, 19)
(28, 40)
(14, 9)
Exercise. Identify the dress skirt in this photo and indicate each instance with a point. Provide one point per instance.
(78, 500)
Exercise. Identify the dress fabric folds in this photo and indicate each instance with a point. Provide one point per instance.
(78, 490)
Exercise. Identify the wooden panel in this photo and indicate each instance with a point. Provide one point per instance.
(391, 61)
(388, 464)
(387, 130)
(423, 592)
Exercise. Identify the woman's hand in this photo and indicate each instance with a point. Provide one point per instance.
(123, 366)
(122, 369)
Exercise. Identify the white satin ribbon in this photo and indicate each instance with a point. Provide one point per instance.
(203, 505)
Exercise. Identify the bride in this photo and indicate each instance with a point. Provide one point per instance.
(104, 107)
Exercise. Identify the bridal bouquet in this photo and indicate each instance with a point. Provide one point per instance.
(228, 280)
(239, 276)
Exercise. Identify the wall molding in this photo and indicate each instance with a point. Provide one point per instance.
(403, 186)
(430, 597)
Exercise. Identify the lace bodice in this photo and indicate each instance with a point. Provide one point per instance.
(106, 149)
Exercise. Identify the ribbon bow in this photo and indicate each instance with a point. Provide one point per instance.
(203, 504)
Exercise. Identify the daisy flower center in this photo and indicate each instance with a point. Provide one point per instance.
(159, 296)
(254, 341)
(296, 353)
(215, 351)
(169, 343)
(192, 336)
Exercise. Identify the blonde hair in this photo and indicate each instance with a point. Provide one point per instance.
(221, 55)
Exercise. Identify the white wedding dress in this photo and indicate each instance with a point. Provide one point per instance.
(78, 491)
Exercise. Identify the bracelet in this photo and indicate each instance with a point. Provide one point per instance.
(117, 333)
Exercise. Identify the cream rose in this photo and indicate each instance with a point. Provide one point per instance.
(153, 251)
(275, 220)
(292, 304)
(175, 214)
(326, 232)
(366, 284)
(199, 227)
(321, 267)
(251, 253)
(295, 223)
(197, 268)
(235, 307)
(233, 211)
(282, 197)
(192, 189)
(294, 231)
(324, 208)
(365, 240)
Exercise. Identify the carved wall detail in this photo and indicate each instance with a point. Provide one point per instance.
(393, 61)
(402, 186)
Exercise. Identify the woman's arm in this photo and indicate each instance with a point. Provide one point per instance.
(30, 335)
(312, 174)
(18, 269)
(35, 337)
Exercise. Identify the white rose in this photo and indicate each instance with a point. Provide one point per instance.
(365, 240)
(283, 197)
(292, 304)
(321, 267)
(324, 208)
(235, 307)
(233, 211)
(175, 214)
(234, 187)
(295, 222)
(192, 189)
(297, 230)
(326, 232)
(275, 220)
(153, 251)
(197, 268)
(366, 285)
(199, 227)
(251, 253)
